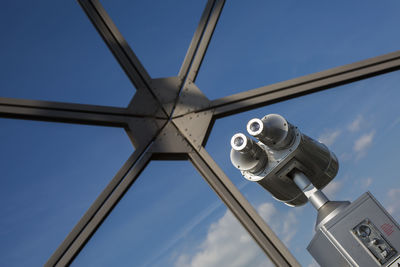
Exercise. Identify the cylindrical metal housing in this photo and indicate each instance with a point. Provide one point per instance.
(246, 155)
(306, 155)
(273, 130)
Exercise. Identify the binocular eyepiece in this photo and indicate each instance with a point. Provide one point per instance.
(273, 130)
(246, 155)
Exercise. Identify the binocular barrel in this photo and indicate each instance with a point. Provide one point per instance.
(246, 155)
(273, 130)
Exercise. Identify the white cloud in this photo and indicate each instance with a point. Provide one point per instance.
(329, 138)
(394, 124)
(285, 230)
(354, 126)
(393, 202)
(363, 183)
(345, 156)
(367, 182)
(228, 243)
(362, 143)
(332, 188)
(184, 232)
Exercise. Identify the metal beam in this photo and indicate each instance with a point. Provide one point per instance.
(187, 62)
(100, 209)
(198, 47)
(63, 112)
(248, 100)
(242, 209)
(201, 40)
(116, 43)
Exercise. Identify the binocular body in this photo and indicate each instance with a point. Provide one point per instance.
(280, 151)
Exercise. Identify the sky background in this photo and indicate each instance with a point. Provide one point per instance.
(52, 172)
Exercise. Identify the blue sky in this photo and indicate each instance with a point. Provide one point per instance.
(52, 172)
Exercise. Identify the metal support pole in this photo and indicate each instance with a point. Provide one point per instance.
(316, 197)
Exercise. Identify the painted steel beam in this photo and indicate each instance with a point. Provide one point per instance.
(190, 54)
(100, 209)
(63, 112)
(251, 99)
(242, 209)
(201, 40)
(116, 43)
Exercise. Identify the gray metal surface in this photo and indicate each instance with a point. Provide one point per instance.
(63, 112)
(316, 197)
(201, 40)
(328, 211)
(164, 120)
(339, 236)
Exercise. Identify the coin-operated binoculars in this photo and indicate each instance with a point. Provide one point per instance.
(294, 168)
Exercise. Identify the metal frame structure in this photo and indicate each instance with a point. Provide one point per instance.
(175, 123)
